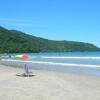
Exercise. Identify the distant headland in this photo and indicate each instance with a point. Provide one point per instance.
(13, 41)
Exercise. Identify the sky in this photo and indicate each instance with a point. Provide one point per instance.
(73, 20)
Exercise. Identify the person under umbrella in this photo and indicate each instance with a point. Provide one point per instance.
(26, 67)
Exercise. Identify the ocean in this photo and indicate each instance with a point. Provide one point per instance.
(87, 63)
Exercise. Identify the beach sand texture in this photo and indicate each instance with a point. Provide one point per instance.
(47, 85)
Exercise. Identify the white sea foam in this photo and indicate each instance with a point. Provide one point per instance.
(53, 63)
(62, 57)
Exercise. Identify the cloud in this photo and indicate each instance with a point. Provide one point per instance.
(15, 22)
(21, 23)
(6, 20)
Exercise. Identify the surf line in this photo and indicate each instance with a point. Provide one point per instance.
(53, 63)
(55, 57)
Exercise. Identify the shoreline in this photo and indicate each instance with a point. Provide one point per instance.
(47, 85)
(49, 66)
(52, 63)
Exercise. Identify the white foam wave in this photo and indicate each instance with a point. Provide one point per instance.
(61, 57)
(53, 63)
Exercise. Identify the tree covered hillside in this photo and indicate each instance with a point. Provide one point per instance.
(12, 41)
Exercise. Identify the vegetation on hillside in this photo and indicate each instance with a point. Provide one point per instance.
(12, 41)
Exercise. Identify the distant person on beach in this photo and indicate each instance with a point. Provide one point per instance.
(9, 56)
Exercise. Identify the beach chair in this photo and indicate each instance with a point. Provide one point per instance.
(26, 73)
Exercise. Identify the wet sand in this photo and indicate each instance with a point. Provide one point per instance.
(47, 85)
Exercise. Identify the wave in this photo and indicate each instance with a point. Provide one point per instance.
(53, 63)
(62, 57)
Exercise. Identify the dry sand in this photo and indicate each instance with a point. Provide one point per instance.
(47, 85)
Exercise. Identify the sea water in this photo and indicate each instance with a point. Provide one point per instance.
(87, 63)
(68, 57)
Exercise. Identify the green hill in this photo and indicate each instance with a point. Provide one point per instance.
(12, 41)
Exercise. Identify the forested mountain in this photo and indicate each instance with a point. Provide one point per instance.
(12, 41)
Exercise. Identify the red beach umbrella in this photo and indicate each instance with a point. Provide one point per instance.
(24, 57)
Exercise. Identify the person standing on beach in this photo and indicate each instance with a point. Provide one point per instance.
(26, 69)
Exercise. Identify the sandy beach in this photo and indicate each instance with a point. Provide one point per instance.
(47, 85)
